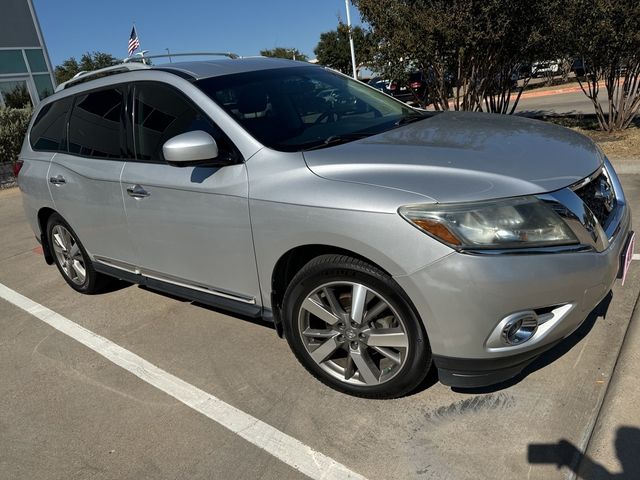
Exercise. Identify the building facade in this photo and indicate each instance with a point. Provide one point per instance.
(26, 73)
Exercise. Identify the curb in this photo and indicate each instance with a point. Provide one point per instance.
(626, 165)
(547, 93)
(554, 91)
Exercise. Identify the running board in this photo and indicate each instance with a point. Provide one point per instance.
(240, 306)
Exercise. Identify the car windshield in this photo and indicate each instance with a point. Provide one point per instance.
(300, 108)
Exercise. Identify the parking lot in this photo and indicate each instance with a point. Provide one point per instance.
(68, 411)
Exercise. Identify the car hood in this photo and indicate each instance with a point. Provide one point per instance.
(463, 156)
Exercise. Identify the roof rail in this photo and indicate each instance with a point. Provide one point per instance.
(84, 76)
(141, 58)
(133, 63)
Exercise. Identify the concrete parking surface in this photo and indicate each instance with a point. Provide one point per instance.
(67, 412)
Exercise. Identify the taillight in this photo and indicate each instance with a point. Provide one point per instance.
(17, 167)
(415, 85)
(393, 86)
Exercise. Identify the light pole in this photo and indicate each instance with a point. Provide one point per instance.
(353, 51)
(169, 53)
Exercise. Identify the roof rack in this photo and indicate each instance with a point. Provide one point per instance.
(84, 76)
(134, 63)
(142, 58)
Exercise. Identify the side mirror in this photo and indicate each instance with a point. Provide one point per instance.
(192, 148)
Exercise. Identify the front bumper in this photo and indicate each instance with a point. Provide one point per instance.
(462, 298)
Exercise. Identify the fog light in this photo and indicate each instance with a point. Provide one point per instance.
(520, 328)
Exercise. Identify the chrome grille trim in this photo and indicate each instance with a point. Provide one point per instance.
(585, 181)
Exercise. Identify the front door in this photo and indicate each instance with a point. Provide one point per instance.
(189, 225)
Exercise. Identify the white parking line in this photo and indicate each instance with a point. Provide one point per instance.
(287, 449)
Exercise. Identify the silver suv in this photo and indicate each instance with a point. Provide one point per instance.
(381, 240)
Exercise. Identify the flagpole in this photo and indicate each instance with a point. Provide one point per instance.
(353, 52)
(139, 47)
(139, 42)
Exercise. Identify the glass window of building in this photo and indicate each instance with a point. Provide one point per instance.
(12, 61)
(14, 94)
(26, 74)
(43, 85)
(36, 60)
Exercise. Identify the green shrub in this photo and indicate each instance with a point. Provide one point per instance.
(13, 128)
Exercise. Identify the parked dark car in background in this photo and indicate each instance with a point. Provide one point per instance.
(412, 92)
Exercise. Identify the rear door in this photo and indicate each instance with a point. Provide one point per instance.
(84, 179)
(189, 225)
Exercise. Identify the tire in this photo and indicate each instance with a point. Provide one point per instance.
(71, 258)
(352, 327)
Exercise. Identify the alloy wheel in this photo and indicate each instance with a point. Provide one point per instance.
(353, 333)
(68, 254)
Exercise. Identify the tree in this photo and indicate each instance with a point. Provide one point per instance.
(334, 51)
(283, 52)
(606, 37)
(470, 49)
(89, 61)
(17, 97)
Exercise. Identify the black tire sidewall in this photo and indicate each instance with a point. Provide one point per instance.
(418, 360)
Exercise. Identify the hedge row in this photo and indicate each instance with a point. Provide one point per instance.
(13, 128)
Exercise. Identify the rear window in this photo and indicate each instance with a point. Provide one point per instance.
(96, 128)
(48, 133)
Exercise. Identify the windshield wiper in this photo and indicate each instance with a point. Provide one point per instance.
(338, 139)
(411, 117)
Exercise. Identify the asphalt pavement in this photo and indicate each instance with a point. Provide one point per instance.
(67, 411)
(572, 103)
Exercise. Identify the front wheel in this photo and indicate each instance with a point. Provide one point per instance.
(353, 328)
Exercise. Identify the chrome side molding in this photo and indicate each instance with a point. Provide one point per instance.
(179, 282)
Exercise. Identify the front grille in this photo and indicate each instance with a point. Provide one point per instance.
(599, 196)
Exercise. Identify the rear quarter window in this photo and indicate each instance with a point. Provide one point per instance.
(48, 132)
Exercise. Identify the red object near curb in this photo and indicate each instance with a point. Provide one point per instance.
(17, 167)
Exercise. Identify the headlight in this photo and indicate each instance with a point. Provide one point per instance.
(522, 222)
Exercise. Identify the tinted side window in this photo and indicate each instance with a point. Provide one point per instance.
(161, 113)
(96, 128)
(49, 129)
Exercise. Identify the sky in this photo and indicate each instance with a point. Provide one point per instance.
(72, 27)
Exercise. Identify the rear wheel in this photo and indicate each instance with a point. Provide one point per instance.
(71, 258)
(353, 328)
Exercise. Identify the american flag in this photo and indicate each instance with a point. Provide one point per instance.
(134, 43)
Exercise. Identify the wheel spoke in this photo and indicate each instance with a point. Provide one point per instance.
(358, 301)
(314, 308)
(66, 239)
(317, 333)
(350, 368)
(377, 309)
(387, 337)
(390, 354)
(58, 242)
(369, 373)
(336, 308)
(75, 250)
(79, 269)
(321, 353)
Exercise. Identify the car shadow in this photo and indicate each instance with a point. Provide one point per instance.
(114, 285)
(565, 454)
(222, 311)
(550, 355)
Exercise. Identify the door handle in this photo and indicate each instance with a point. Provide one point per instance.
(59, 180)
(137, 191)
